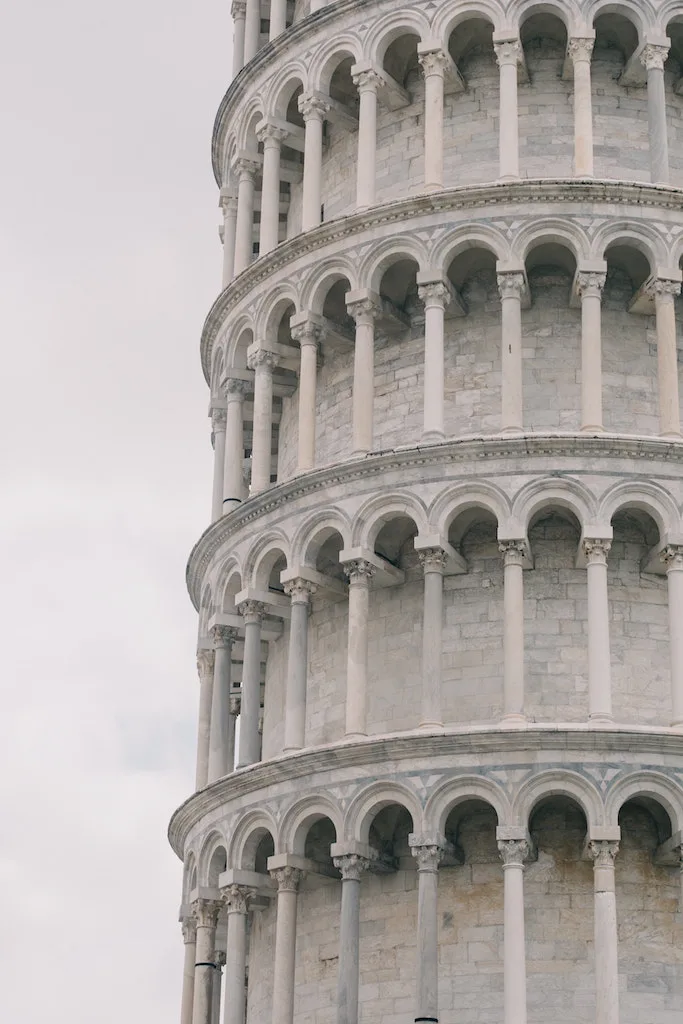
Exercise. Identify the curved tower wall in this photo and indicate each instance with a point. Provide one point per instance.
(440, 744)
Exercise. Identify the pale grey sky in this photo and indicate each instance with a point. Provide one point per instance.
(109, 261)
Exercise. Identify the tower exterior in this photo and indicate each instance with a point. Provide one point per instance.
(440, 745)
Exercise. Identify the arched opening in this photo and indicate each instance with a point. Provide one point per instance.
(551, 333)
(217, 866)
(639, 620)
(398, 172)
(471, 114)
(291, 161)
(278, 337)
(546, 121)
(398, 344)
(673, 79)
(340, 135)
(317, 844)
(322, 553)
(617, 85)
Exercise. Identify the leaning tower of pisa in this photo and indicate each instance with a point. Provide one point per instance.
(440, 745)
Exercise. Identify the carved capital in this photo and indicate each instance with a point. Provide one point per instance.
(603, 852)
(309, 333)
(189, 929)
(367, 81)
(237, 898)
(590, 284)
(428, 857)
(364, 312)
(235, 704)
(238, 9)
(218, 421)
(513, 551)
(657, 287)
(228, 204)
(672, 556)
(652, 57)
(359, 572)
(596, 551)
(435, 293)
(580, 48)
(223, 636)
(434, 62)
(206, 912)
(300, 590)
(246, 167)
(271, 135)
(511, 285)
(433, 559)
(219, 959)
(288, 878)
(313, 107)
(352, 866)
(262, 357)
(251, 611)
(235, 389)
(513, 852)
(508, 52)
(205, 663)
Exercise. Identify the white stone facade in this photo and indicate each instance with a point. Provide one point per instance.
(440, 744)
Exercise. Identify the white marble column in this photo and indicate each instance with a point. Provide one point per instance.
(237, 899)
(435, 296)
(508, 54)
(250, 745)
(238, 11)
(189, 927)
(364, 313)
(228, 204)
(308, 336)
(252, 30)
(360, 574)
(219, 958)
(367, 82)
(433, 561)
(513, 853)
(205, 668)
(580, 50)
(511, 288)
(233, 485)
(206, 915)
(605, 927)
(664, 292)
(223, 639)
(300, 592)
(433, 64)
(589, 287)
(218, 427)
(352, 867)
(235, 705)
(513, 552)
(428, 854)
(313, 110)
(652, 58)
(278, 18)
(599, 659)
(673, 559)
(262, 362)
(246, 170)
(272, 138)
(288, 880)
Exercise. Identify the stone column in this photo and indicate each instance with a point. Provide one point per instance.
(513, 853)
(433, 561)
(262, 362)
(278, 18)
(308, 336)
(605, 925)
(511, 287)
(513, 552)
(249, 753)
(272, 138)
(234, 706)
(508, 53)
(288, 880)
(300, 591)
(589, 287)
(673, 559)
(218, 426)
(428, 851)
(435, 296)
(352, 867)
(580, 50)
(663, 291)
(219, 959)
(360, 574)
(228, 233)
(244, 232)
(219, 765)
(205, 668)
(433, 63)
(313, 109)
(237, 898)
(364, 313)
(367, 82)
(252, 29)
(206, 915)
(235, 390)
(239, 14)
(189, 926)
(599, 660)
(652, 58)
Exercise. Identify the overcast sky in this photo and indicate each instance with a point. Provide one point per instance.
(109, 261)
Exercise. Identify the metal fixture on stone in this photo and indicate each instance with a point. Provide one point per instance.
(440, 742)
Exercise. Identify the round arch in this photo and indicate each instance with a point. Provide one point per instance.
(246, 837)
(369, 519)
(457, 791)
(302, 815)
(371, 800)
(645, 495)
(562, 492)
(558, 783)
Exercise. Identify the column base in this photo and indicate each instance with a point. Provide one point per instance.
(504, 179)
(677, 725)
(432, 437)
(353, 736)
(672, 435)
(512, 430)
(592, 429)
(513, 721)
(601, 719)
(230, 504)
(432, 726)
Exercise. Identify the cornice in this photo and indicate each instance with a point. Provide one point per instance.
(530, 191)
(410, 747)
(516, 447)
